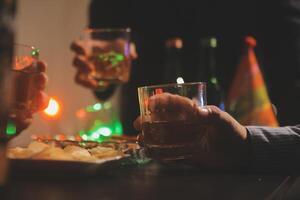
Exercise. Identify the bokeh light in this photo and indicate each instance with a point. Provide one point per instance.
(53, 108)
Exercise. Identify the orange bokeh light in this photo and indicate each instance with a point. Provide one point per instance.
(53, 108)
(81, 114)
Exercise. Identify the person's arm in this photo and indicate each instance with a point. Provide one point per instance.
(231, 145)
(110, 14)
(275, 149)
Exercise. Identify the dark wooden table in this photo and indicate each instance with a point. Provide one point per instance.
(147, 181)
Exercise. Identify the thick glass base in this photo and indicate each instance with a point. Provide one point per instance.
(169, 152)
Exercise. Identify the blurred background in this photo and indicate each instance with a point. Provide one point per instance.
(255, 78)
(51, 26)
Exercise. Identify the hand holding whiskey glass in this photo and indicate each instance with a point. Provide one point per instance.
(168, 119)
(176, 125)
(28, 80)
(103, 57)
(23, 94)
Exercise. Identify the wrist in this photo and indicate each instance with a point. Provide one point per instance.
(246, 158)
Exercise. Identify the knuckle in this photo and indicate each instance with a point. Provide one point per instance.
(215, 111)
(77, 78)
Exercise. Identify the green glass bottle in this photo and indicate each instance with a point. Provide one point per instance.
(173, 68)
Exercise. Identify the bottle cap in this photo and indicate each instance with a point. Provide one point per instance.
(213, 42)
(209, 41)
(250, 41)
(174, 43)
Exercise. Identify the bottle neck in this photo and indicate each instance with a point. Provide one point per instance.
(211, 64)
(173, 69)
(207, 60)
(208, 71)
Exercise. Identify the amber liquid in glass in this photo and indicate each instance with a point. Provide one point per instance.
(112, 62)
(118, 72)
(24, 90)
(171, 140)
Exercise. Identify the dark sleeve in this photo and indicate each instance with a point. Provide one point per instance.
(110, 14)
(275, 149)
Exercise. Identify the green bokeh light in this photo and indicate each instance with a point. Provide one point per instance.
(95, 135)
(213, 42)
(214, 80)
(107, 105)
(112, 57)
(106, 124)
(35, 53)
(11, 129)
(105, 131)
(101, 131)
(97, 106)
(89, 109)
(94, 108)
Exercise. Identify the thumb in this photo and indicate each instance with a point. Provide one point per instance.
(209, 114)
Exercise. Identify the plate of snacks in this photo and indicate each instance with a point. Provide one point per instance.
(53, 157)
